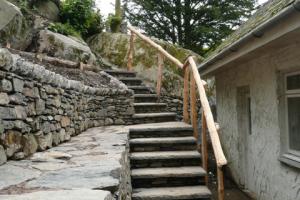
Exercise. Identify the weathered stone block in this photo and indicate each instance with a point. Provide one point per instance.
(7, 113)
(5, 59)
(4, 99)
(5, 86)
(20, 112)
(18, 99)
(108, 121)
(30, 145)
(11, 141)
(18, 85)
(65, 121)
(44, 140)
(3, 157)
(39, 106)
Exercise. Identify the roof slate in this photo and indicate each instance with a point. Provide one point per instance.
(263, 14)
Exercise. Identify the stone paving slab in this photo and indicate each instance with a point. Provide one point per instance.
(62, 195)
(79, 169)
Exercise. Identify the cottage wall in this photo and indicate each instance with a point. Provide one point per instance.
(268, 178)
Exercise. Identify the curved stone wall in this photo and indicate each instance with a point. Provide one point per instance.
(40, 109)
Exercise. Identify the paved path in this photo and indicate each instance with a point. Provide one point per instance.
(85, 168)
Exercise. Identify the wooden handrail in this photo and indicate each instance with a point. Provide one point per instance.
(156, 46)
(192, 80)
(215, 140)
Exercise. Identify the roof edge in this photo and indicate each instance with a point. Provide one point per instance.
(256, 33)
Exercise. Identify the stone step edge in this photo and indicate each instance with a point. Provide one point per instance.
(168, 172)
(153, 115)
(166, 193)
(165, 155)
(164, 140)
(149, 104)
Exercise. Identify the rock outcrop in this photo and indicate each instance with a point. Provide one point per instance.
(114, 47)
(13, 27)
(61, 46)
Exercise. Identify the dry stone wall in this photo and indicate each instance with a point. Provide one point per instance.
(40, 109)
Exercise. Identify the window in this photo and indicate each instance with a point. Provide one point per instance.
(291, 112)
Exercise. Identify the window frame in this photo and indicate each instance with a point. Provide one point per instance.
(287, 155)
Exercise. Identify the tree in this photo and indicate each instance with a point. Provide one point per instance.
(199, 25)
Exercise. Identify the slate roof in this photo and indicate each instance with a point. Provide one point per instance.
(263, 14)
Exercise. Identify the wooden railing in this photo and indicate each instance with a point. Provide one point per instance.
(192, 82)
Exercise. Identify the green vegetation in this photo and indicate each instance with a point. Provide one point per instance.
(65, 29)
(114, 21)
(193, 24)
(81, 15)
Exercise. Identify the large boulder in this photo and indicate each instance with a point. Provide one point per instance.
(61, 46)
(114, 48)
(48, 9)
(13, 27)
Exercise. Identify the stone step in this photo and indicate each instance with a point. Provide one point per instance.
(141, 98)
(167, 176)
(141, 118)
(121, 73)
(167, 129)
(162, 144)
(131, 81)
(141, 89)
(149, 107)
(172, 193)
(165, 159)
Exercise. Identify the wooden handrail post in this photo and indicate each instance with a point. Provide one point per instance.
(204, 149)
(130, 52)
(186, 95)
(220, 174)
(81, 66)
(160, 63)
(193, 106)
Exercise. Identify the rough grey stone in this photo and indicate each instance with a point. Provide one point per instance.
(12, 142)
(4, 99)
(3, 158)
(108, 121)
(76, 194)
(18, 84)
(5, 86)
(73, 49)
(7, 113)
(20, 112)
(44, 141)
(5, 59)
(18, 99)
(13, 27)
(13, 175)
(39, 106)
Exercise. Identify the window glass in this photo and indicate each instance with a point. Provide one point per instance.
(294, 122)
(293, 82)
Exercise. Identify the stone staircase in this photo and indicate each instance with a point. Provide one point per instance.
(165, 164)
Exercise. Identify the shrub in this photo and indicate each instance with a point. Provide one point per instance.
(65, 29)
(114, 23)
(81, 15)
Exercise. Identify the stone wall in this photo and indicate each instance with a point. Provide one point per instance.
(40, 109)
(174, 104)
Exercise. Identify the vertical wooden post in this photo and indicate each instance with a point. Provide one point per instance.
(204, 150)
(81, 66)
(186, 95)
(193, 106)
(130, 52)
(221, 195)
(160, 63)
